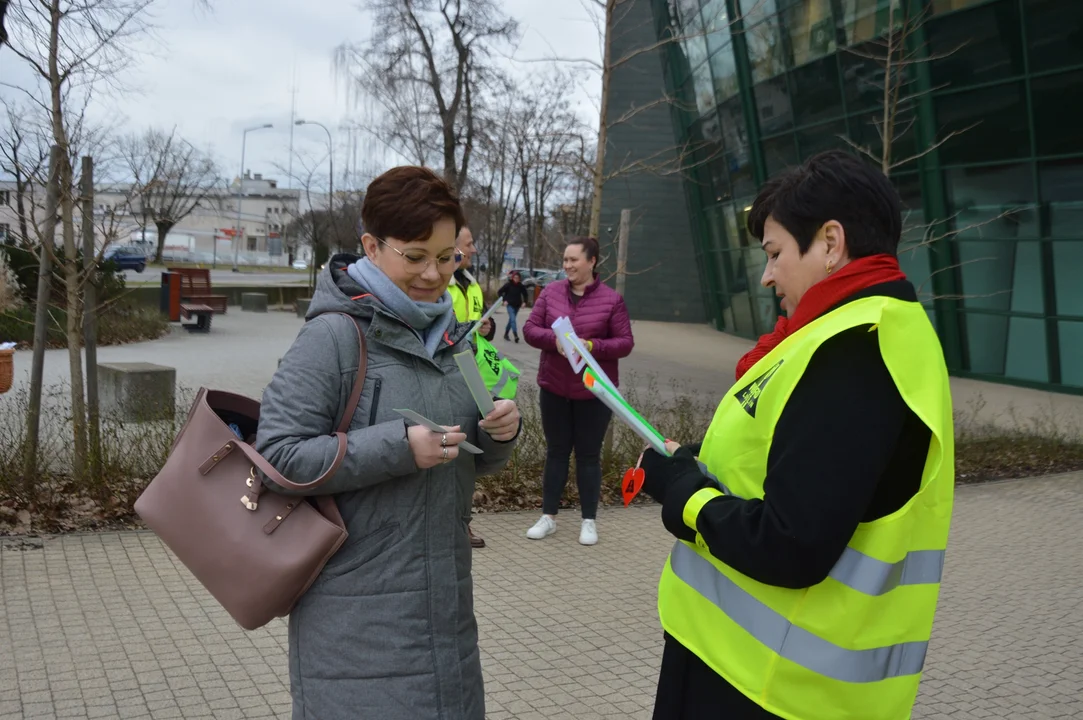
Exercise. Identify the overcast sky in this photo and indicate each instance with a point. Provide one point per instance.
(217, 72)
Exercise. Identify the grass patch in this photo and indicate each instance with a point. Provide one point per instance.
(51, 500)
(118, 324)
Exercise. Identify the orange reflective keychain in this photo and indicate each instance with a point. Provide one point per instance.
(632, 482)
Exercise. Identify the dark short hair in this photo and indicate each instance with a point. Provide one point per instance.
(405, 202)
(589, 245)
(833, 185)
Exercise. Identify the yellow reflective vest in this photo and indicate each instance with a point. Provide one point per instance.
(500, 376)
(469, 304)
(854, 645)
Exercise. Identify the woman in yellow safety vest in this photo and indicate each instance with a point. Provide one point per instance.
(811, 531)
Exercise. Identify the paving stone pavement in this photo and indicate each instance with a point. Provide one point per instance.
(111, 626)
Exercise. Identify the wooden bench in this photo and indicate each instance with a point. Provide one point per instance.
(202, 314)
(196, 289)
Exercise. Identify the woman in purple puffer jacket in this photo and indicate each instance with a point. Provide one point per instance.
(572, 418)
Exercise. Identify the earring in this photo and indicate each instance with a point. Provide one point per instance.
(829, 268)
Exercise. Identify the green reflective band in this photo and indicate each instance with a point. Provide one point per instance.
(868, 575)
(696, 503)
(789, 641)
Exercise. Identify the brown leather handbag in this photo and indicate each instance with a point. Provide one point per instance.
(255, 550)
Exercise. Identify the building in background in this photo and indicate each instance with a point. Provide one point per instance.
(994, 198)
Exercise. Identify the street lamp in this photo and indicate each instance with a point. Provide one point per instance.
(240, 191)
(330, 188)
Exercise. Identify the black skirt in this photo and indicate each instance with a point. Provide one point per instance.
(689, 690)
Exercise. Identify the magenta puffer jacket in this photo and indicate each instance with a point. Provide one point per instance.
(599, 316)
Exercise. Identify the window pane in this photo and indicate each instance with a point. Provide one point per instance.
(1062, 190)
(724, 70)
(811, 30)
(1058, 106)
(986, 338)
(816, 94)
(1054, 33)
(1071, 349)
(1067, 271)
(863, 20)
(765, 50)
(863, 77)
(704, 89)
(992, 202)
(866, 131)
(991, 124)
(977, 46)
(773, 105)
(1027, 352)
(780, 153)
(717, 24)
(735, 139)
(986, 270)
(822, 137)
(943, 6)
(753, 11)
(913, 253)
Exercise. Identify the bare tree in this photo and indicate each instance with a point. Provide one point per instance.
(428, 63)
(613, 18)
(71, 45)
(547, 139)
(894, 55)
(170, 179)
(494, 199)
(24, 153)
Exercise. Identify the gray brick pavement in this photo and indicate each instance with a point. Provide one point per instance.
(110, 626)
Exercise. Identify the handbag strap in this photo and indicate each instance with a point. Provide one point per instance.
(340, 431)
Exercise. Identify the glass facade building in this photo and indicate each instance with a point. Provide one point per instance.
(986, 150)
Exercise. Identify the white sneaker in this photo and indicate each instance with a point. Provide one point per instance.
(588, 533)
(542, 529)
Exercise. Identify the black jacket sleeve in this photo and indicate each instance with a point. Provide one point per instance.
(832, 444)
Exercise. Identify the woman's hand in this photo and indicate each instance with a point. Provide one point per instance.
(560, 348)
(502, 424)
(430, 448)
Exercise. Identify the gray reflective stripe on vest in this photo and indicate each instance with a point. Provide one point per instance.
(710, 476)
(868, 575)
(506, 376)
(788, 640)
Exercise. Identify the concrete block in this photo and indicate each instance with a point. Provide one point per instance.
(254, 302)
(302, 306)
(137, 392)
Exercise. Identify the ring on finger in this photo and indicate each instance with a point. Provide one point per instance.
(443, 454)
(443, 441)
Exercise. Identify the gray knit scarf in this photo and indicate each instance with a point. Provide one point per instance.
(429, 320)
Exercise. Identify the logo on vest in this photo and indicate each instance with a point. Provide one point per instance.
(492, 359)
(749, 397)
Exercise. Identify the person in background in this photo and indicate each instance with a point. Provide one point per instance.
(500, 376)
(387, 629)
(810, 542)
(466, 293)
(572, 418)
(514, 295)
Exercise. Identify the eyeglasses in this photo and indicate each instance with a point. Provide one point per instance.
(416, 263)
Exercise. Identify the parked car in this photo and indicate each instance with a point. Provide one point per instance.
(126, 257)
(541, 278)
(300, 265)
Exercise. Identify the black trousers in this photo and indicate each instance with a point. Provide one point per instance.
(688, 689)
(578, 425)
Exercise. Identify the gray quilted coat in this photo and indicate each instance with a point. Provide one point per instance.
(387, 631)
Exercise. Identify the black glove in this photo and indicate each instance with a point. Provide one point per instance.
(661, 472)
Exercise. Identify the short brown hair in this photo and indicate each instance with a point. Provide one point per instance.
(589, 245)
(406, 201)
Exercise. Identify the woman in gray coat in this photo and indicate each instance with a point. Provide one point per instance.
(388, 630)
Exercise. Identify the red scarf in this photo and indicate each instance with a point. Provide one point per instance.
(855, 276)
